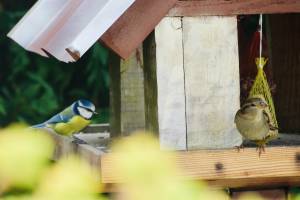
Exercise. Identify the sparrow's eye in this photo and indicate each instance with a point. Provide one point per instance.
(262, 103)
(253, 105)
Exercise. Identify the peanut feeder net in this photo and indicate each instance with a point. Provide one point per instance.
(261, 87)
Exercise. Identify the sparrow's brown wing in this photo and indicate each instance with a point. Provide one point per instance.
(238, 113)
(267, 118)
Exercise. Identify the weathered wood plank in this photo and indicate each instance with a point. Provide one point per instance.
(97, 128)
(233, 7)
(135, 24)
(64, 147)
(132, 93)
(150, 84)
(228, 167)
(170, 83)
(211, 66)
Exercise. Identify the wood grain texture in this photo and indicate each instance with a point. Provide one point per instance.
(284, 45)
(135, 25)
(170, 83)
(228, 167)
(233, 7)
(132, 93)
(211, 65)
(64, 147)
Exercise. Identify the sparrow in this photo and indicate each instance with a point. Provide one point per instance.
(253, 122)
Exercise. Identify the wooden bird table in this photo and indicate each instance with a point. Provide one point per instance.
(227, 168)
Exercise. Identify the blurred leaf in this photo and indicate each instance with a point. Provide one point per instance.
(70, 178)
(149, 173)
(24, 154)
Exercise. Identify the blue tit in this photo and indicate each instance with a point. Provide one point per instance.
(71, 120)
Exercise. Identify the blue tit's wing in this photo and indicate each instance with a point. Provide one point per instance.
(53, 120)
(63, 116)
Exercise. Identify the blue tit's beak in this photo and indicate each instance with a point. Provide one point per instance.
(95, 113)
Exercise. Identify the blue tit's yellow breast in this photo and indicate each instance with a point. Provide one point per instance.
(75, 125)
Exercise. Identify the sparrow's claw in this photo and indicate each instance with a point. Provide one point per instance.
(239, 147)
(260, 149)
(76, 140)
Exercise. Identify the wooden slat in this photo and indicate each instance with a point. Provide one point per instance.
(64, 147)
(170, 83)
(135, 24)
(233, 7)
(229, 168)
(211, 68)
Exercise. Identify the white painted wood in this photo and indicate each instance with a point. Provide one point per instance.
(56, 25)
(211, 65)
(170, 84)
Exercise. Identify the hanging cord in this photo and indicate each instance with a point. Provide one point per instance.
(260, 39)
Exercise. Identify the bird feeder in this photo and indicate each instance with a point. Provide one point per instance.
(183, 83)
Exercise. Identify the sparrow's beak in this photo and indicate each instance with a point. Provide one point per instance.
(264, 105)
(95, 113)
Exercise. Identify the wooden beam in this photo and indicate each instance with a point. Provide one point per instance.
(228, 167)
(278, 166)
(233, 7)
(129, 31)
(150, 84)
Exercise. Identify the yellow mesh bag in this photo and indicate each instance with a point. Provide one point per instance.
(261, 88)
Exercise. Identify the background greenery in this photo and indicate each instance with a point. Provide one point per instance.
(33, 88)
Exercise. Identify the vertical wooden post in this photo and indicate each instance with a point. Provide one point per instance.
(211, 67)
(115, 95)
(132, 93)
(170, 83)
(197, 82)
(150, 84)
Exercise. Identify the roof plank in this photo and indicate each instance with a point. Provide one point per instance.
(233, 7)
(127, 33)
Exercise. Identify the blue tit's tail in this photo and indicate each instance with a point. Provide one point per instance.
(42, 125)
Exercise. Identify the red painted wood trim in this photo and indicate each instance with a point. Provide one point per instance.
(233, 7)
(129, 31)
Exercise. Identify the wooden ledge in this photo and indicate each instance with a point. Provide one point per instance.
(230, 168)
(278, 166)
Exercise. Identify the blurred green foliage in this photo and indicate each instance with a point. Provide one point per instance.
(26, 173)
(33, 88)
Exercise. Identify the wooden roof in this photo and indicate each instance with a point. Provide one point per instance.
(138, 21)
(135, 24)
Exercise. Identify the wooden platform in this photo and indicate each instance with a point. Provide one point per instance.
(278, 166)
